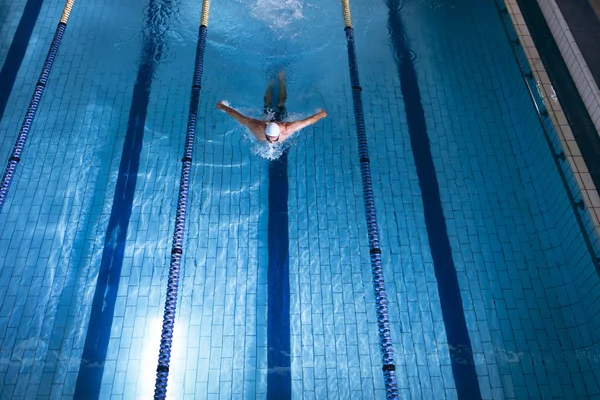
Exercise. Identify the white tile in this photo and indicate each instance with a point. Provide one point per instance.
(587, 94)
(581, 82)
(553, 118)
(573, 148)
(588, 183)
(571, 60)
(554, 105)
(586, 199)
(567, 133)
(560, 41)
(595, 111)
(594, 198)
(578, 75)
(573, 166)
(580, 164)
(560, 117)
(596, 120)
(538, 65)
(533, 52)
(544, 78)
(575, 48)
(596, 212)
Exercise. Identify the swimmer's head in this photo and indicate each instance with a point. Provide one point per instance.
(272, 132)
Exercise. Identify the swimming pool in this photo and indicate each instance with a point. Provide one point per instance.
(463, 181)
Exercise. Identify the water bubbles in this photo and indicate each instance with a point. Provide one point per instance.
(269, 151)
(277, 14)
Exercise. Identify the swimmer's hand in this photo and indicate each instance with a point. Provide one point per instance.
(322, 113)
(222, 105)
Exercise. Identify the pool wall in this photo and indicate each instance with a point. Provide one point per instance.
(580, 283)
(530, 262)
(587, 86)
(571, 279)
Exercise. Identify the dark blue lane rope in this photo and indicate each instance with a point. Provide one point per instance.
(457, 333)
(15, 156)
(164, 356)
(383, 322)
(97, 338)
(16, 52)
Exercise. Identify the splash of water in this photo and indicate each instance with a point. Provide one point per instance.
(269, 151)
(277, 14)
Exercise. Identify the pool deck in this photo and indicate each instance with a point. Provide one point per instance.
(584, 25)
(578, 59)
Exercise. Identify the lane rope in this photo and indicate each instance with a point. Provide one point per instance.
(383, 322)
(164, 356)
(15, 156)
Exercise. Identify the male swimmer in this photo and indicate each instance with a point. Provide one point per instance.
(273, 129)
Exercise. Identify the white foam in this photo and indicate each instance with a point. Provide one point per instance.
(277, 14)
(268, 151)
(269, 115)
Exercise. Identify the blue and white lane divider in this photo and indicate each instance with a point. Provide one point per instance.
(15, 156)
(383, 322)
(168, 325)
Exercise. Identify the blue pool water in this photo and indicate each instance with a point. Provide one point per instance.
(492, 290)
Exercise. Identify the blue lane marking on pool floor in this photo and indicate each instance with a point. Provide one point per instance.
(96, 344)
(279, 377)
(17, 50)
(459, 342)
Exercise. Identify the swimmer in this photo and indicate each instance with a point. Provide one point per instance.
(273, 129)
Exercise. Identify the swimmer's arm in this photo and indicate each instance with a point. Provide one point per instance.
(242, 119)
(291, 127)
(253, 124)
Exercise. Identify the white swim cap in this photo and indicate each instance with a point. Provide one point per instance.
(272, 130)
